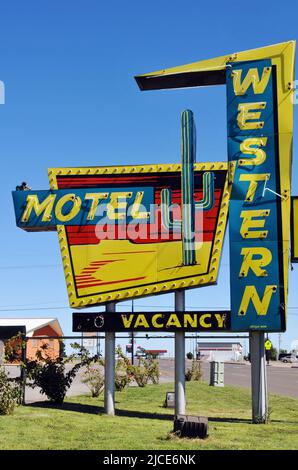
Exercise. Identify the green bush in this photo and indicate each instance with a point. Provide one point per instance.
(93, 376)
(146, 371)
(123, 371)
(195, 372)
(9, 394)
(153, 371)
(51, 378)
(13, 348)
(140, 374)
(94, 379)
(189, 355)
(188, 375)
(50, 374)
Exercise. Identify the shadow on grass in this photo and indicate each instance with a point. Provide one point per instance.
(144, 415)
(214, 419)
(96, 410)
(66, 406)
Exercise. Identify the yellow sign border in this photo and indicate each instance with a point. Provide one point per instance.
(160, 287)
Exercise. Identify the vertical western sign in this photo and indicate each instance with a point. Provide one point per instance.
(257, 286)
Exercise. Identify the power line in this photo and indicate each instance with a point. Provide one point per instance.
(159, 307)
(32, 266)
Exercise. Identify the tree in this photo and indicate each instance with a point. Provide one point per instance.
(62, 349)
(271, 354)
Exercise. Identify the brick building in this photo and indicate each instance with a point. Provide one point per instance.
(38, 327)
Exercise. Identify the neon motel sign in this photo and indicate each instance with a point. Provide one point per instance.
(132, 231)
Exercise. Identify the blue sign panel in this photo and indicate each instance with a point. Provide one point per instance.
(257, 291)
(37, 210)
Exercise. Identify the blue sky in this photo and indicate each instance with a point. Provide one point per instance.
(71, 99)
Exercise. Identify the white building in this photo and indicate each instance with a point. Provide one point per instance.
(219, 351)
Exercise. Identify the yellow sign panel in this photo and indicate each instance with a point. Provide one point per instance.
(111, 262)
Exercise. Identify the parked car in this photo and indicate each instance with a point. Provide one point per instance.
(282, 355)
(289, 358)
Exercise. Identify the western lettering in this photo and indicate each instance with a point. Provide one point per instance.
(260, 305)
(251, 79)
(253, 180)
(252, 146)
(255, 259)
(248, 115)
(249, 222)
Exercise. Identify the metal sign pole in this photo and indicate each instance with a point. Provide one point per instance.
(180, 358)
(258, 377)
(110, 366)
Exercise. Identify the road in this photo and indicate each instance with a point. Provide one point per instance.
(282, 379)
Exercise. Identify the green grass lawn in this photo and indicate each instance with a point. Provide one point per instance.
(142, 422)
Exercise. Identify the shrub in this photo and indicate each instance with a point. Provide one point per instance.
(121, 380)
(13, 348)
(189, 355)
(146, 370)
(51, 378)
(153, 371)
(9, 394)
(195, 372)
(50, 374)
(94, 378)
(188, 375)
(140, 374)
(123, 370)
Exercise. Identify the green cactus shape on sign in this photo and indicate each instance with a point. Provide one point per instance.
(189, 205)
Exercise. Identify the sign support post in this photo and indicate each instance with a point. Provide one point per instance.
(180, 358)
(110, 366)
(258, 377)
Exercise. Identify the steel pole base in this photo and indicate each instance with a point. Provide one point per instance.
(110, 367)
(180, 359)
(258, 377)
